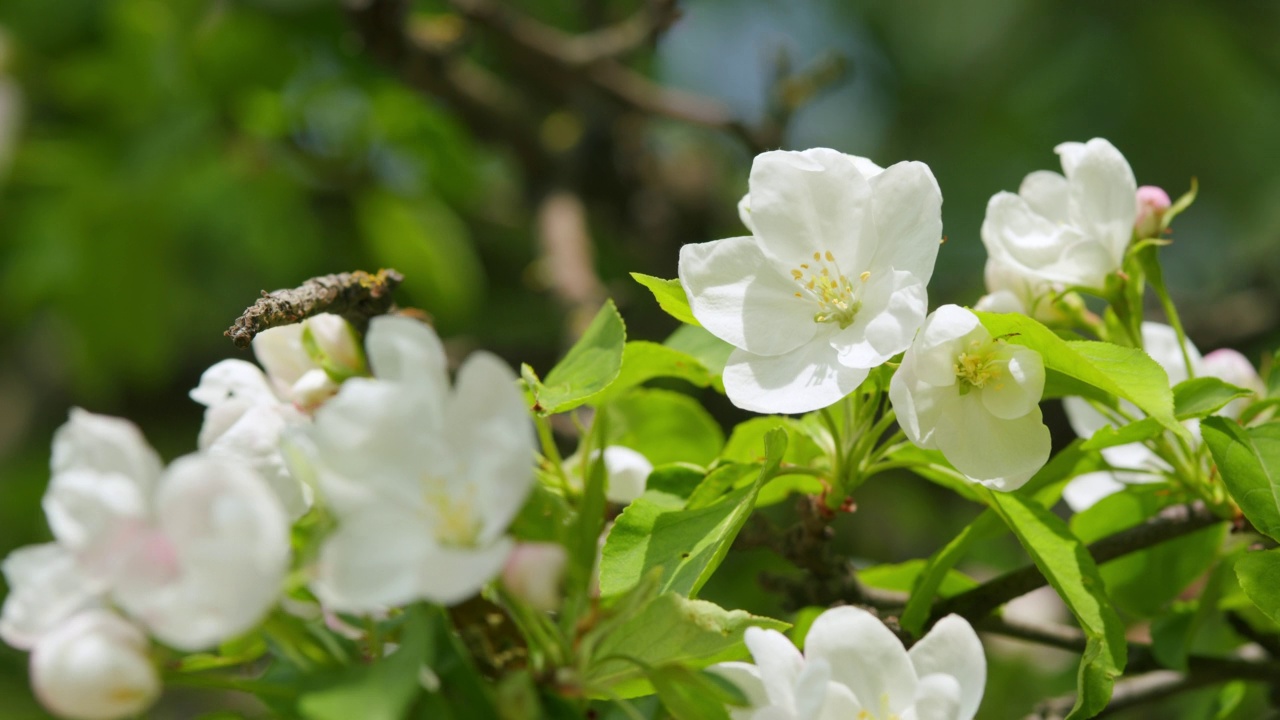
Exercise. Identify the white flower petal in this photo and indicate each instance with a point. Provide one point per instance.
(1160, 341)
(839, 703)
(103, 444)
(919, 406)
(811, 202)
(452, 574)
(811, 689)
(1001, 453)
(374, 560)
(937, 698)
(628, 473)
(808, 378)
(405, 350)
(747, 678)
(95, 667)
(953, 649)
(233, 380)
(281, 353)
(780, 663)
(864, 656)
(45, 588)
(743, 298)
(255, 439)
(1046, 193)
(894, 306)
(1021, 385)
(1102, 194)
(92, 515)
(1084, 491)
(907, 209)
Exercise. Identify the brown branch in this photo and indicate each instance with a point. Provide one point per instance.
(356, 296)
(1171, 522)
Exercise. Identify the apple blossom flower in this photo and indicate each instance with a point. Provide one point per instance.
(533, 573)
(1152, 203)
(196, 553)
(627, 469)
(1073, 229)
(248, 410)
(1011, 290)
(973, 397)
(1134, 463)
(423, 479)
(855, 667)
(830, 283)
(94, 667)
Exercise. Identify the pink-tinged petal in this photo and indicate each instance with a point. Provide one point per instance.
(1019, 386)
(865, 656)
(282, 355)
(1002, 454)
(1046, 192)
(95, 667)
(105, 445)
(91, 514)
(744, 298)
(214, 564)
(45, 588)
(937, 698)
(907, 210)
(780, 663)
(953, 649)
(1102, 195)
(747, 679)
(808, 378)
(809, 202)
(490, 430)
(404, 350)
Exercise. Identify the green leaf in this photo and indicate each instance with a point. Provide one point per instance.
(1142, 583)
(688, 545)
(584, 535)
(1179, 205)
(1110, 436)
(746, 441)
(902, 577)
(1249, 463)
(1203, 396)
(938, 567)
(1127, 373)
(643, 361)
(673, 484)
(670, 629)
(718, 482)
(590, 365)
(1072, 572)
(690, 694)
(1259, 575)
(670, 296)
(710, 350)
(665, 426)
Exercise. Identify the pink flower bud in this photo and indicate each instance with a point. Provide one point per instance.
(533, 573)
(94, 667)
(1152, 202)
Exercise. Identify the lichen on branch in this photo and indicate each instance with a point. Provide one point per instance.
(356, 296)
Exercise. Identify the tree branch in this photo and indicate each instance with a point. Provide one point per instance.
(356, 296)
(1171, 522)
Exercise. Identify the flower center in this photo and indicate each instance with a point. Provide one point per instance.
(456, 523)
(978, 365)
(836, 296)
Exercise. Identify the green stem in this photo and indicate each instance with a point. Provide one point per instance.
(550, 452)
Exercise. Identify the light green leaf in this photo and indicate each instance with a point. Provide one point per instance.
(1071, 571)
(690, 694)
(928, 583)
(902, 577)
(1259, 575)
(720, 481)
(1179, 205)
(746, 441)
(670, 629)
(688, 545)
(643, 361)
(710, 350)
(1249, 463)
(590, 365)
(1127, 373)
(1203, 396)
(670, 296)
(1109, 436)
(1142, 583)
(665, 426)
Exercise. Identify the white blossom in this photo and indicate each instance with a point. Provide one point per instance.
(423, 479)
(627, 470)
(830, 283)
(855, 667)
(1070, 229)
(196, 553)
(974, 398)
(534, 571)
(94, 667)
(1230, 366)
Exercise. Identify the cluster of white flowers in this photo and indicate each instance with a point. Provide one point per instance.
(855, 667)
(423, 481)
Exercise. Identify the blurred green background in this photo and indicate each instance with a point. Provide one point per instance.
(163, 161)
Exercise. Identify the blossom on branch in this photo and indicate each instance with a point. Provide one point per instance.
(830, 283)
(423, 478)
(94, 667)
(855, 667)
(974, 398)
(1071, 229)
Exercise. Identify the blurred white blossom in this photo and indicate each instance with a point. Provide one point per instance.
(974, 398)
(534, 571)
(830, 284)
(95, 666)
(855, 667)
(423, 479)
(1070, 229)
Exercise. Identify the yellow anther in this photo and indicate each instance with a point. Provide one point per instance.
(830, 257)
(797, 274)
(865, 276)
(817, 256)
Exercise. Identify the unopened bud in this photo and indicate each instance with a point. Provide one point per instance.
(628, 472)
(533, 573)
(1152, 203)
(94, 667)
(333, 345)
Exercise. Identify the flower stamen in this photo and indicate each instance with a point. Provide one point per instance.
(837, 297)
(978, 366)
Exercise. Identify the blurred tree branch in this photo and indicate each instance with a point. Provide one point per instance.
(356, 296)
